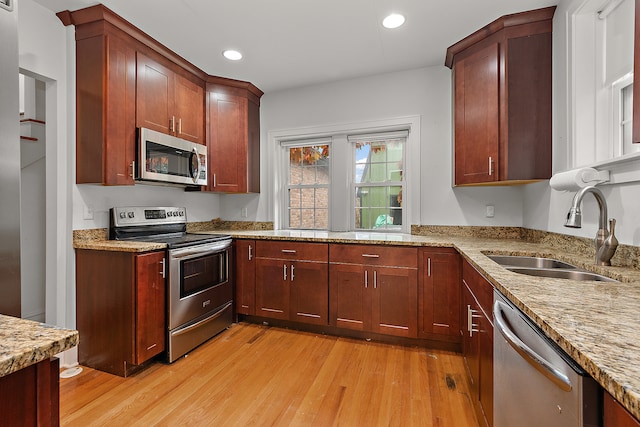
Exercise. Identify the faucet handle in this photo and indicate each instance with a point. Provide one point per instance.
(612, 226)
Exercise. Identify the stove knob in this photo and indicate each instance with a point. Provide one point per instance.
(123, 215)
(130, 214)
(181, 213)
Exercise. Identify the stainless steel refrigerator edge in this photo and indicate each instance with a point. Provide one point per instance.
(9, 161)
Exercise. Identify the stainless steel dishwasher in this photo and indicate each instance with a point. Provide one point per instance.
(535, 382)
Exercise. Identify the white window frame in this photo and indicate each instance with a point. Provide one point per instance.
(340, 220)
(285, 146)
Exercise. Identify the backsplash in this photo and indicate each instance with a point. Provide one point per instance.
(626, 255)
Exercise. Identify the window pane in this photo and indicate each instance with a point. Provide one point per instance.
(308, 203)
(378, 207)
(379, 161)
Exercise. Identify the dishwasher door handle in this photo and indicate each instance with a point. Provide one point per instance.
(533, 358)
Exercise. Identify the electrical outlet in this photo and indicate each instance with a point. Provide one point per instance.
(87, 212)
(491, 211)
(244, 213)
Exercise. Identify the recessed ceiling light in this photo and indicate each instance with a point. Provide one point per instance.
(393, 21)
(233, 55)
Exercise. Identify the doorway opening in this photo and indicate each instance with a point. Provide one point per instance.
(33, 197)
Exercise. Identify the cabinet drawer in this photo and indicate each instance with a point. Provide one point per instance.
(374, 255)
(292, 250)
(481, 288)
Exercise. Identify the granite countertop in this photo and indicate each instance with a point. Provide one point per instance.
(596, 323)
(25, 342)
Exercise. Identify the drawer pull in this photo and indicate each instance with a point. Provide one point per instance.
(288, 251)
(371, 255)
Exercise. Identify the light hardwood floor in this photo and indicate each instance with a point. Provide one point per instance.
(252, 375)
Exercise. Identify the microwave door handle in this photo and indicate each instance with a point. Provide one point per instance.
(194, 168)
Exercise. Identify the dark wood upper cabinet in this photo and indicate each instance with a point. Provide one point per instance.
(502, 101)
(234, 136)
(126, 79)
(168, 102)
(106, 107)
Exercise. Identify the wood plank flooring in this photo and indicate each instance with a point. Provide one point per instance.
(253, 375)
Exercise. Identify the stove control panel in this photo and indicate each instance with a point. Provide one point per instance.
(138, 215)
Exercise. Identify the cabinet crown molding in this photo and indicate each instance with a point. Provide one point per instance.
(512, 20)
(101, 13)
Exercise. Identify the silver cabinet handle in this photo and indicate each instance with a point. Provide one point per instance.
(429, 267)
(371, 255)
(214, 180)
(533, 358)
(284, 274)
(292, 275)
(375, 279)
(250, 255)
(172, 124)
(133, 168)
(490, 166)
(288, 251)
(163, 268)
(471, 314)
(366, 278)
(180, 126)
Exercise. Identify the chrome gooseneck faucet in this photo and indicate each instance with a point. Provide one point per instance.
(605, 241)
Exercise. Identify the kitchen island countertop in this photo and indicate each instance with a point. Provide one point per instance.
(596, 323)
(26, 342)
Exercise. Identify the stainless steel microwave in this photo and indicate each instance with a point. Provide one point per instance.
(164, 158)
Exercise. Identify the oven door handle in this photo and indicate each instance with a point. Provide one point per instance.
(203, 321)
(197, 251)
(527, 353)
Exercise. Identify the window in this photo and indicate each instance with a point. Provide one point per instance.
(360, 176)
(378, 181)
(308, 186)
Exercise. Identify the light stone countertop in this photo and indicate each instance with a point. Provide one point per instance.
(596, 323)
(25, 342)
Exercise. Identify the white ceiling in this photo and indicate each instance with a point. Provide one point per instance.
(292, 43)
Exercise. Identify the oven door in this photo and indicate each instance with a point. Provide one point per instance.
(165, 158)
(199, 281)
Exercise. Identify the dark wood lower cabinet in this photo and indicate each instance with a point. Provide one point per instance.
(292, 281)
(120, 306)
(615, 415)
(477, 340)
(439, 294)
(374, 289)
(245, 276)
(31, 396)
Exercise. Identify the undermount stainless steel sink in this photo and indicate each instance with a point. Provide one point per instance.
(529, 262)
(562, 274)
(546, 267)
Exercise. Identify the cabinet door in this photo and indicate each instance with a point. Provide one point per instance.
(476, 111)
(150, 306)
(439, 293)
(394, 293)
(106, 98)
(350, 303)
(272, 288)
(155, 96)
(615, 415)
(189, 110)
(470, 340)
(485, 355)
(309, 282)
(228, 142)
(245, 277)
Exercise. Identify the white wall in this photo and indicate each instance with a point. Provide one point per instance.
(425, 92)
(546, 209)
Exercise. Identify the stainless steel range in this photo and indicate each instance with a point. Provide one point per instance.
(199, 285)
